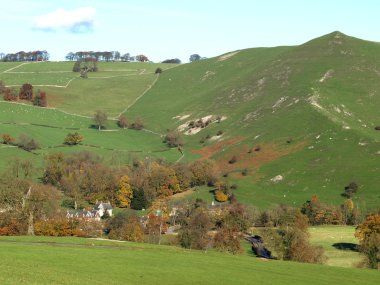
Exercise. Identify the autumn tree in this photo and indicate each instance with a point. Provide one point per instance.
(204, 172)
(291, 239)
(122, 121)
(26, 92)
(10, 95)
(194, 230)
(368, 234)
(138, 124)
(8, 139)
(125, 193)
(73, 139)
(100, 119)
(40, 99)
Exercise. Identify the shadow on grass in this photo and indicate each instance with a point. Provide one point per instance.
(346, 246)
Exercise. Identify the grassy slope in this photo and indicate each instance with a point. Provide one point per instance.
(137, 264)
(270, 95)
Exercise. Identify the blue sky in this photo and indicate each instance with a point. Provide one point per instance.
(178, 28)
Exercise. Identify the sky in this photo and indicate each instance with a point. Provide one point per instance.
(168, 29)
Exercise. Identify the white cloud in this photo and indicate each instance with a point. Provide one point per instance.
(80, 20)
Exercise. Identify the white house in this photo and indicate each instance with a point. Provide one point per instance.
(96, 213)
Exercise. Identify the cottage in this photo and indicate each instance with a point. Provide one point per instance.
(102, 208)
(98, 211)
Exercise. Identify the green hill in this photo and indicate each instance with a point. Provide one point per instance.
(312, 110)
(300, 120)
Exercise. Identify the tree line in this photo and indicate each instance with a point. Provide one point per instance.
(105, 56)
(37, 55)
(25, 93)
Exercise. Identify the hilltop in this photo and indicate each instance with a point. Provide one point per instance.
(300, 120)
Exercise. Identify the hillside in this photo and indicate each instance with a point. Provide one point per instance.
(304, 114)
(312, 110)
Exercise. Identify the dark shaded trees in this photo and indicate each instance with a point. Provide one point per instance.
(194, 57)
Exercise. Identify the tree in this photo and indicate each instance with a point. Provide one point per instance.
(194, 57)
(142, 58)
(100, 119)
(173, 60)
(122, 122)
(125, 193)
(158, 70)
(26, 92)
(139, 200)
(27, 143)
(73, 139)
(350, 190)
(138, 124)
(174, 139)
(8, 139)
(227, 239)
(40, 99)
(368, 234)
(193, 233)
(10, 95)
(291, 239)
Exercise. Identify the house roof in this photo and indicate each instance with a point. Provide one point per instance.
(106, 206)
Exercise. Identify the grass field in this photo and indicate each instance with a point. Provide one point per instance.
(338, 243)
(60, 261)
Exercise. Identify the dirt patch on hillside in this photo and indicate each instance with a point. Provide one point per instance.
(211, 150)
(227, 55)
(249, 158)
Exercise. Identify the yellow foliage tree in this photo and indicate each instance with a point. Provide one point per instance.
(125, 193)
(220, 196)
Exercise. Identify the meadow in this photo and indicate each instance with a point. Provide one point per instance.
(48, 260)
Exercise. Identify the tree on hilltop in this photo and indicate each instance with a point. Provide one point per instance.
(194, 57)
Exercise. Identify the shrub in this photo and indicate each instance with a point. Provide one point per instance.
(27, 143)
(158, 70)
(219, 133)
(26, 92)
(122, 121)
(350, 190)
(8, 139)
(73, 139)
(227, 240)
(233, 159)
(244, 172)
(10, 95)
(138, 124)
(220, 196)
(174, 139)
